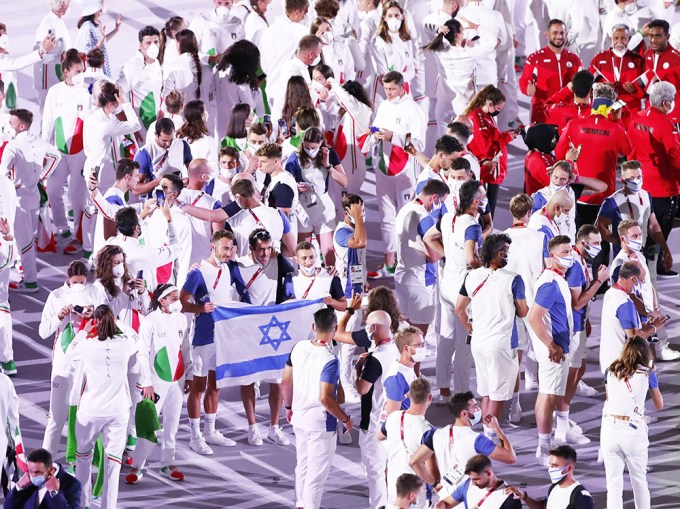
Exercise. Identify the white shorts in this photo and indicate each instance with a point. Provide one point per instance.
(204, 359)
(522, 334)
(552, 377)
(497, 371)
(320, 218)
(416, 303)
(577, 349)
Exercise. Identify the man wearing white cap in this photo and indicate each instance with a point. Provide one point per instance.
(52, 26)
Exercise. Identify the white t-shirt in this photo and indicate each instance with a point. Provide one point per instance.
(559, 498)
(618, 314)
(413, 269)
(247, 220)
(525, 257)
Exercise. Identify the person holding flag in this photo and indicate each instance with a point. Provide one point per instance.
(162, 335)
(66, 310)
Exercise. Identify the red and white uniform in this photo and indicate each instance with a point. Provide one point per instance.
(487, 143)
(656, 146)
(561, 109)
(536, 166)
(666, 65)
(618, 70)
(602, 140)
(551, 72)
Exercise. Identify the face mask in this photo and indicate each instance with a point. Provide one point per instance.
(10, 131)
(4, 42)
(619, 52)
(118, 271)
(312, 152)
(631, 8)
(556, 188)
(420, 354)
(504, 260)
(494, 113)
(393, 24)
(308, 271)
(77, 287)
(476, 417)
(633, 185)
(153, 51)
(228, 173)
(327, 38)
(672, 106)
(255, 146)
(222, 12)
(316, 61)
(369, 332)
(635, 245)
(175, 307)
(556, 474)
(362, 15)
(592, 251)
(483, 204)
(78, 79)
(38, 481)
(470, 138)
(454, 185)
(565, 262)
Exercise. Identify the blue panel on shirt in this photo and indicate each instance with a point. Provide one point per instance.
(577, 279)
(460, 493)
(514, 339)
(483, 445)
(610, 210)
(186, 156)
(615, 274)
(549, 296)
(286, 223)
(474, 232)
(518, 292)
(342, 236)
(396, 388)
(539, 201)
(420, 185)
(115, 200)
(144, 160)
(330, 374)
(548, 233)
(627, 315)
(425, 224)
(546, 251)
(204, 332)
(653, 380)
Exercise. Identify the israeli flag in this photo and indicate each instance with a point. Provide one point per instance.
(254, 342)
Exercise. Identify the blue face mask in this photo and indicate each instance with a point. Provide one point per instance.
(634, 244)
(38, 481)
(476, 417)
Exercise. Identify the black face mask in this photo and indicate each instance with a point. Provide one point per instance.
(495, 113)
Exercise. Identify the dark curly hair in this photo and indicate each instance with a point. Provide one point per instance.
(492, 246)
(244, 59)
(382, 298)
(466, 195)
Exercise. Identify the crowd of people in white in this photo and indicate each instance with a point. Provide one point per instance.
(227, 161)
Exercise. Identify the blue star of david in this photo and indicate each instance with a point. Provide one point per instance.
(267, 339)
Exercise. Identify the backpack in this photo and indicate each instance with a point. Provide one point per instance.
(574, 494)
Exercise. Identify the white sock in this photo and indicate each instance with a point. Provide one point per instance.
(195, 425)
(252, 427)
(544, 441)
(209, 426)
(562, 422)
(515, 400)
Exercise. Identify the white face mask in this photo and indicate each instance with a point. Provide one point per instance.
(327, 38)
(312, 152)
(592, 251)
(4, 42)
(635, 245)
(565, 262)
(316, 61)
(308, 271)
(619, 52)
(420, 354)
(175, 307)
(118, 271)
(393, 24)
(78, 80)
(9, 131)
(228, 173)
(556, 474)
(255, 146)
(631, 8)
(77, 287)
(153, 51)
(222, 12)
(455, 185)
(557, 188)
(633, 185)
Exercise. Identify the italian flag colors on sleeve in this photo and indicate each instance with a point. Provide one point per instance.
(147, 110)
(11, 96)
(169, 366)
(394, 162)
(62, 140)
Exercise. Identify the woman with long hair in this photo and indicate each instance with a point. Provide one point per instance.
(489, 145)
(66, 311)
(312, 165)
(242, 117)
(168, 53)
(105, 350)
(256, 21)
(195, 132)
(163, 339)
(382, 298)
(238, 81)
(395, 48)
(185, 73)
(624, 439)
(335, 51)
(92, 32)
(297, 96)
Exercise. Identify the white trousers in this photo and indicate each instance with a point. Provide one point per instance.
(69, 168)
(315, 451)
(59, 409)
(452, 341)
(374, 461)
(393, 193)
(622, 445)
(25, 231)
(113, 429)
(6, 351)
(169, 406)
(346, 352)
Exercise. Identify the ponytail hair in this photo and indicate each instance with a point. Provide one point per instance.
(106, 327)
(171, 26)
(72, 57)
(155, 296)
(437, 44)
(189, 44)
(488, 93)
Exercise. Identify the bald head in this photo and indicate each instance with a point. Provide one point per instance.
(198, 167)
(559, 203)
(378, 323)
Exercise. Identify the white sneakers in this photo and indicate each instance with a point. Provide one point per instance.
(254, 437)
(515, 415)
(585, 390)
(572, 437)
(542, 455)
(217, 438)
(200, 446)
(276, 435)
(668, 354)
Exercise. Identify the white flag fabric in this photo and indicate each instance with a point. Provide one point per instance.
(254, 342)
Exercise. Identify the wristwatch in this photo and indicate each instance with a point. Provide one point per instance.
(54, 493)
(346, 420)
(349, 310)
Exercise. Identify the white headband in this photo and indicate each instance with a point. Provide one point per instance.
(167, 292)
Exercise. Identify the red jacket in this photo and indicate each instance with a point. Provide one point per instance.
(602, 141)
(536, 166)
(616, 71)
(666, 64)
(657, 147)
(560, 109)
(487, 142)
(550, 75)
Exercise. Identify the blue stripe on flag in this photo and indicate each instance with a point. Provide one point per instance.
(227, 313)
(245, 368)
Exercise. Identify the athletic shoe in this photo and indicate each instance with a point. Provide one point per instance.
(73, 247)
(442, 400)
(575, 427)
(666, 274)
(542, 456)
(572, 437)
(276, 435)
(9, 368)
(530, 384)
(651, 419)
(200, 446)
(24, 287)
(515, 414)
(344, 438)
(254, 437)
(383, 272)
(217, 438)
(134, 477)
(131, 443)
(585, 390)
(172, 473)
(668, 354)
